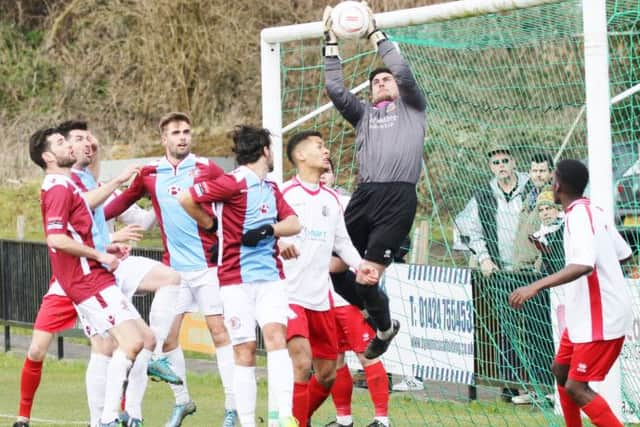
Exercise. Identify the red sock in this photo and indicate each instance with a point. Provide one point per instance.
(600, 413)
(301, 402)
(342, 390)
(29, 382)
(317, 395)
(378, 384)
(570, 410)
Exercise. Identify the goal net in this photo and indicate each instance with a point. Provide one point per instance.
(511, 80)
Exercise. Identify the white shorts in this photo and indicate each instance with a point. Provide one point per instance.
(102, 312)
(248, 303)
(131, 272)
(200, 291)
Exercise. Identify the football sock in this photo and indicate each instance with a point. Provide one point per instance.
(95, 382)
(317, 394)
(600, 413)
(341, 393)
(301, 402)
(162, 313)
(280, 374)
(224, 356)
(29, 382)
(138, 380)
(244, 384)
(377, 304)
(570, 410)
(176, 359)
(117, 372)
(378, 384)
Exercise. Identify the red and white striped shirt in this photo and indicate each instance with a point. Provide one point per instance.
(598, 305)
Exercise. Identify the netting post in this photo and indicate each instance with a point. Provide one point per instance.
(598, 103)
(596, 65)
(272, 102)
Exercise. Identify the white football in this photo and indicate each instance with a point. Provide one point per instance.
(350, 19)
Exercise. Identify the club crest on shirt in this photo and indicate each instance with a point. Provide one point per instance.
(111, 319)
(325, 210)
(174, 190)
(264, 209)
(235, 322)
(391, 107)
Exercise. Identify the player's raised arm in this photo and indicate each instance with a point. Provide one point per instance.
(128, 197)
(347, 103)
(196, 211)
(98, 196)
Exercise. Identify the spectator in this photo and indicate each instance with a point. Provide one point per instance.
(490, 220)
(525, 253)
(548, 238)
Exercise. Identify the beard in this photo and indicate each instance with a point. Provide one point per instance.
(66, 162)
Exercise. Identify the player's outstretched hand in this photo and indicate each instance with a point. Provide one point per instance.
(288, 250)
(367, 274)
(522, 295)
(253, 237)
(127, 173)
(329, 35)
(120, 250)
(109, 260)
(128, 233)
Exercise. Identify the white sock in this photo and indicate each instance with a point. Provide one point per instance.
(95, 381)
(176, 359)
(244, 384)
(162, 313)
(280, 373)
(138, 380)
(344, 419)
(272, 405)
(384, 335)
(116, 375)
(226, 365)
(383, 420)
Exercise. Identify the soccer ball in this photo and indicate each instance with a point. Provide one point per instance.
(350, 20)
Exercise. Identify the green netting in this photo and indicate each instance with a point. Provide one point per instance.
(517, 79)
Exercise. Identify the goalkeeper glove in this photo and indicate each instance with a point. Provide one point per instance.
(330, 47)
(373, 33)
(253, 237)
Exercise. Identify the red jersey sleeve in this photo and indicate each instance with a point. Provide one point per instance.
(284, 210)
(128, 197)
(215, 190)
(215, 171)
(55, 209)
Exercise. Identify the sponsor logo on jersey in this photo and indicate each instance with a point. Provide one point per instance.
(582, 368)
(174, 190)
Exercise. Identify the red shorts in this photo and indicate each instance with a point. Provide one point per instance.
(319, 327)
(56, 314)
(354, 333)
(589, 361)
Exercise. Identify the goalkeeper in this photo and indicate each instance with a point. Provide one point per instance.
(390, 133)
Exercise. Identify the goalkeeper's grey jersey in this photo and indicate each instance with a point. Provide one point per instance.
(389, 140)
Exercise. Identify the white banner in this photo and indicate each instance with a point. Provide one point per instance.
(435, 308)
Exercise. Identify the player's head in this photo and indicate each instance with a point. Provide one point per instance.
(328, 178)
(383, 85)
(307, 150)
(501, 162)
(570, 179)
(541, 169)
(49, 148)
(77, 133)
(175, 134)
(251, 144)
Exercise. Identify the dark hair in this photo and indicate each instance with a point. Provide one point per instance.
(541, 158)
(573, 176)
(296, 139)
(39, 143)
(65, 127)
(249, 142)
(378, 71)
(174, 116)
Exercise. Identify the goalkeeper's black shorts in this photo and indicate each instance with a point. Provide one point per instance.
(379, 218)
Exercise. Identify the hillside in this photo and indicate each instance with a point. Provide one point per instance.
(122, 64)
